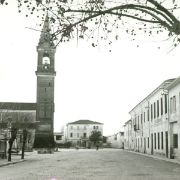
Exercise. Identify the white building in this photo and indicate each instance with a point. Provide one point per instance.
(59, 137)
(155, 121)
(128, 135)
(116, 140)
(174, 118)
(78, 132)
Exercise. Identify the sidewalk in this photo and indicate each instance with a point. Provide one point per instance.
(156, 157)
(16, 159)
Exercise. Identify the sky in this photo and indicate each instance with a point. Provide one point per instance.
(91, 83)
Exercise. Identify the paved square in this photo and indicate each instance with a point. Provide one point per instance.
(89, 164)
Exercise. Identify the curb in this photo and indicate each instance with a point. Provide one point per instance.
(10, 163)
(155, 157)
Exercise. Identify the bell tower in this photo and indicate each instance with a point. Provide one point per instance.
(45, 89)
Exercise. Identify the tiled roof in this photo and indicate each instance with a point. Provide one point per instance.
(17, 106)
(85, 122)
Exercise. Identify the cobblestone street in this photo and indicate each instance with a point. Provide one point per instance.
(105, 164)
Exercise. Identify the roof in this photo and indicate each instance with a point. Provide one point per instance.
(129, 121)
(17, 106)
(173, 84)
(163, 85)
(85, 122)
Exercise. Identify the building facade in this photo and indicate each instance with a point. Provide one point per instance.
(20, 116)
(128, 135)
(78, 132)
(154, 124)
(174, 118)
(59, 137)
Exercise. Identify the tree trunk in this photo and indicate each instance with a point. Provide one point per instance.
(11, 140)
(9, 150)
(24, 142)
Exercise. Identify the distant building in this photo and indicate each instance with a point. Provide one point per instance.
(116, 140)
(128, 135)
(78, 132)
(59, 137)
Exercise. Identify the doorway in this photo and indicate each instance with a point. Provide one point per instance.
(167, 144)
(152, 148)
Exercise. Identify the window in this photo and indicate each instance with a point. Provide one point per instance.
(154, 110)
(148, 142)
(154, 140)
(151, 112)
(84, 127)
(138, 122)
(171, 105)
(162, 140)
(77, 134)
(175, 140)
(77, 127)
(84, 135)
(95, 127)
(46, 60)
(71, 127)
(58, 137)
(148, 114)
(144, 116)
(165, 98)
(71, 134)
(158, 141)
(161, 106)
(157, 108)
(141, 118)
(174, 103)
(115, 137)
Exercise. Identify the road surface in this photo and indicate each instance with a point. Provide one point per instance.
(89, 164)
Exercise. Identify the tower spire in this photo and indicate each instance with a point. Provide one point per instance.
(46, 36)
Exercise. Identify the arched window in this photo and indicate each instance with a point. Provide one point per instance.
(46, 59)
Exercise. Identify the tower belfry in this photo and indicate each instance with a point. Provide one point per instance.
(45, 88)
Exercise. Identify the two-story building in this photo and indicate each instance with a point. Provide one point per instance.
(155, 122)
(78, 132)
(173, 91)
(128, 135)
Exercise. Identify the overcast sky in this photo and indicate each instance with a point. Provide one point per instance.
(91, 83)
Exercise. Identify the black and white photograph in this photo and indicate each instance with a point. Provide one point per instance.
(90, 90)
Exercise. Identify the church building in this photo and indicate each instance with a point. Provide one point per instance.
(41, 112)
